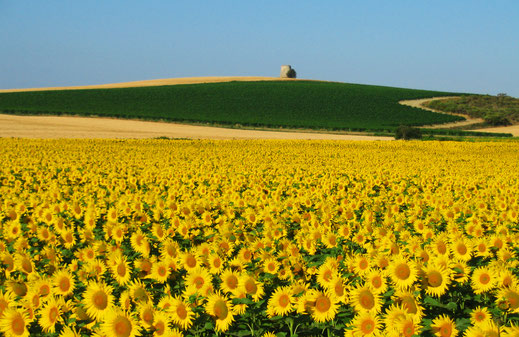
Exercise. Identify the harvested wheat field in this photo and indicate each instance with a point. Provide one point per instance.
(159, 82)
(91, 127)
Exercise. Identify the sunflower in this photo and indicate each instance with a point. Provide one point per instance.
(181, 313)
(69, 240)
(98, 300)
(112, 215)
(50, 315)
(165, 302)
(403, 273)
(482, 280)
(480, 315)
(169, 249)
(410, 302)
(338, 288)
(510, 331)
(364, 299)
(460, 272)
(230, 280)
(63, 282)
(118, 323)
(330, 240)
(190, 261)
(270, 266)
(17, 286)
(366, 324)
(24, 264)
(507, 279)
(14, 323)
(146, 314)
(139, 243)
(393, 315)
(69, 332)
(88, 254)
(487, 329)
(325, 275)
(440, 244)
(280, 303)
(138, 292)
(96, 268)
(125, 300)
(160, 325)
(376, 281)
(215, 264)
(361, 264)
(121, 270)
(115, 232)
(221, 309)
(481, 248)
(408, 327)
(198, 281)
(252, 287)
(32, 298)
(7, 259)
(143, 265)
(7, 300)
(324, 306)
(160, 271)
(245, 255)
(508, 298)
(239, 308)
(268, 334)
(13, 230)
(461, 249)
(507, 256)
(436, 279)
(444, 326)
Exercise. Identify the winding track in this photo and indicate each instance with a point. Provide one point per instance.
(420, 103)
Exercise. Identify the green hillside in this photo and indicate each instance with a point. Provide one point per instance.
(298, 104)
(495, 110)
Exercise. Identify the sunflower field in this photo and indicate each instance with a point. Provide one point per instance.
(125, 238)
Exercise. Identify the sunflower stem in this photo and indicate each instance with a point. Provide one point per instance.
(291, 326)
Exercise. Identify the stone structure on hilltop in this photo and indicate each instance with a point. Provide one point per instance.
(287, 72)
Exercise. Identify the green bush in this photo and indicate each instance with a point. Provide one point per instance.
(291, 73)
(496, 119)
(406, 132)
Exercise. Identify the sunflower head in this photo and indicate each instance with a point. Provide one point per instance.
(221, 309)
(118, 323)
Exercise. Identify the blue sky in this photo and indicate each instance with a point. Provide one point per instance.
(461, 46)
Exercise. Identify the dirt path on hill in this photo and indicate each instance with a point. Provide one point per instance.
(419, 103)
(513, 129)
(95, 127)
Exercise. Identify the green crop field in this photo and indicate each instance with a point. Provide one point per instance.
(298, 104)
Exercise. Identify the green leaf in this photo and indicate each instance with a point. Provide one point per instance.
(452, 306)
(462, 323)
(242, 301)
(432, 301)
